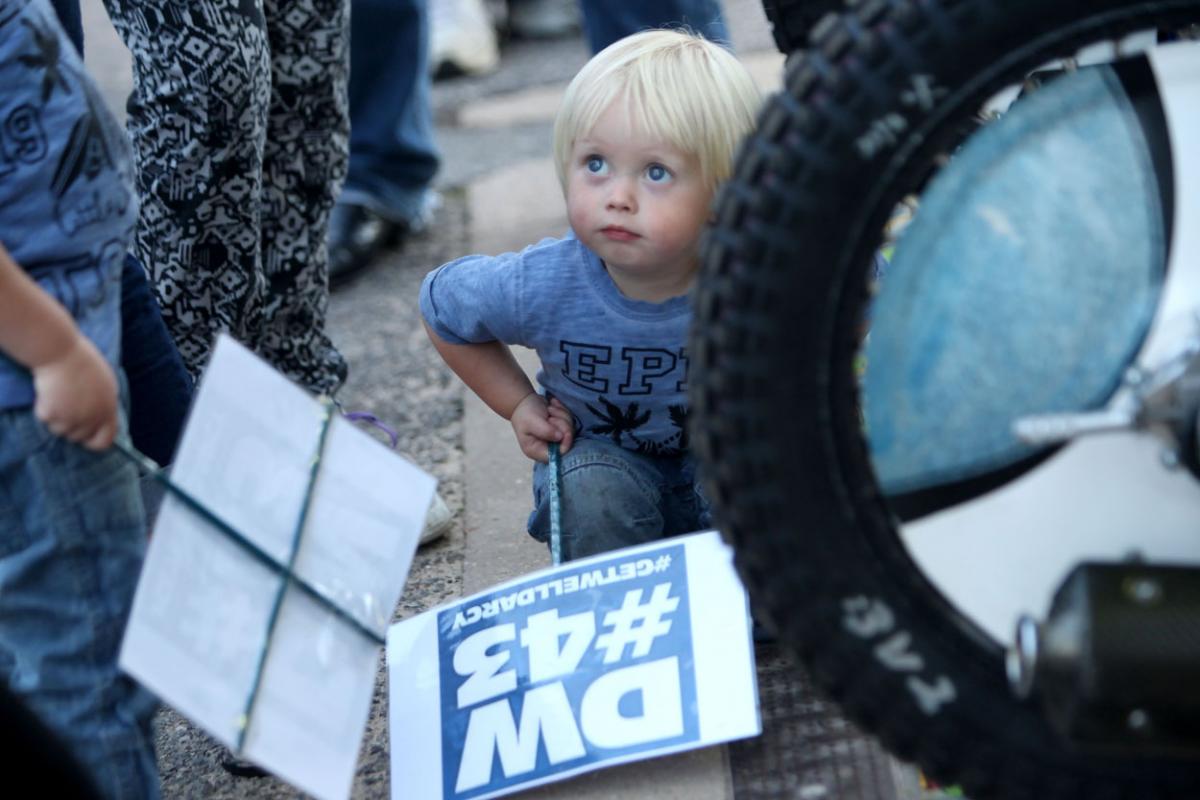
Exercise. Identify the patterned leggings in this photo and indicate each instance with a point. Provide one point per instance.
(241, 132)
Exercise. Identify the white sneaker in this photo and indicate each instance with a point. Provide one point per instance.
(543, 19)
(462, 38)
(437, 521)
(438, 517)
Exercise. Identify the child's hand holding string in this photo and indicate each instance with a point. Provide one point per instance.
(537, 423)
(76, 396)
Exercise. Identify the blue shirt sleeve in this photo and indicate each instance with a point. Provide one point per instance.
(476, 299)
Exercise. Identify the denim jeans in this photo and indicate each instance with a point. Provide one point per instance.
(605, 21)
(72, 540)
(612, 497)
(392, 154)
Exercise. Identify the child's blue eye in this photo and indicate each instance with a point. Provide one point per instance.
(657, 173)
(596, 165)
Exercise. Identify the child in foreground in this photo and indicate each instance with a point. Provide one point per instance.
(646, 133)
(72, 531)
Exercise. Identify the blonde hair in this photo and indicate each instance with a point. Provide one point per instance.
(678, 87)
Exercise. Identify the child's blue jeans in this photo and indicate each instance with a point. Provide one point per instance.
(613, 497)
(72, 539)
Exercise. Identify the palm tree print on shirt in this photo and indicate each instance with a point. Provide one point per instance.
(618, 423)
(615, 422)
(674, 445)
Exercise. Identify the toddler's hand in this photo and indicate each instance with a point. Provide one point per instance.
(561, 418)
(76, 396)
(537, 423)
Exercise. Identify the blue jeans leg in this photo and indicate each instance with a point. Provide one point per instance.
(605, 21)
(612, 498)
(72, 541)
(392, 154)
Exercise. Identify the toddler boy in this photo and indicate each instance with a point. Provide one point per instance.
(646, 132)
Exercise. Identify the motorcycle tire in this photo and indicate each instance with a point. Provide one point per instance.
(780, 297)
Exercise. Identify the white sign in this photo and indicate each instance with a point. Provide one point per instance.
(615, 658)
(205, 614)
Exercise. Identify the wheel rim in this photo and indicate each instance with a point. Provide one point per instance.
(1087, 501)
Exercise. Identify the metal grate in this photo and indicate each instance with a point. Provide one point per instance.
(808, 750)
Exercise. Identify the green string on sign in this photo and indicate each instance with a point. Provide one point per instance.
(241, 540)
(552, 478)
(288, 574)
(285, 571)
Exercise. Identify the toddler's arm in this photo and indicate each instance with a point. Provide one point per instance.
(74, 387)
(490, 371)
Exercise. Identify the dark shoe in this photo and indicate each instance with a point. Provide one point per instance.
(357, 236)
(242, 768)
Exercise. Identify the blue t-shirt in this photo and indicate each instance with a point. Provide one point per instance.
(619, 365)
(67, 206)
